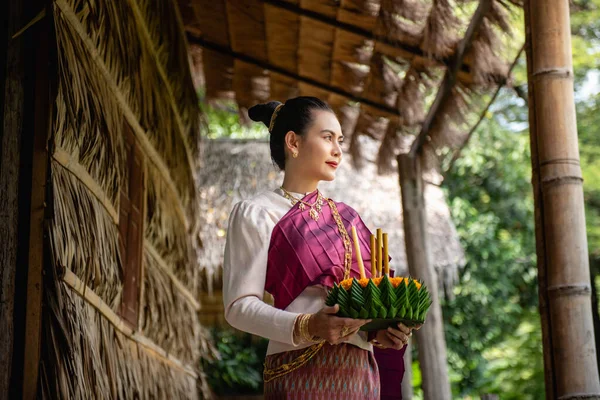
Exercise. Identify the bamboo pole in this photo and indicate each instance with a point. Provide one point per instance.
(564, 280)
(431, 342)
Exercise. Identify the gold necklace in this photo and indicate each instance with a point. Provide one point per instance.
(315, 208)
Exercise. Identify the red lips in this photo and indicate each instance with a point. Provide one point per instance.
(332, 164)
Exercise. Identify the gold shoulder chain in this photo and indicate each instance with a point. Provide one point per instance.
(345, 238)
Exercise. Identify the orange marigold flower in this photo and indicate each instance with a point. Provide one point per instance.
(396, 281)
(377, 280)
(417, 284)
(346, 283)
(364, 282)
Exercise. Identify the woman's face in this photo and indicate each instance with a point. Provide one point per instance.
(319, 150)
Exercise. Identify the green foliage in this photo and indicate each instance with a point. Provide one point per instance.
(510, 362)
(491, 203)
(588, 127)
(224, 122)
(239, 370)
(585, 29)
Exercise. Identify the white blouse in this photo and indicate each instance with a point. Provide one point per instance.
(244, 273)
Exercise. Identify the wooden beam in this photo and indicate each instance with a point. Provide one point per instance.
(265, 65)
(451, 75)
(381, 40)
(570, 364)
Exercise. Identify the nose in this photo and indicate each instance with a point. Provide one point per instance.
(337, 149)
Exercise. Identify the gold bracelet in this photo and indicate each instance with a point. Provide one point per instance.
(304, 329)
(376, 343)
(297, 333)
(300, 324)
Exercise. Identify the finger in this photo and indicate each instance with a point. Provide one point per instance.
(331, 309)
(400, 335)
(417, 327)
(403, 328)
(386, 342)
(398, 344)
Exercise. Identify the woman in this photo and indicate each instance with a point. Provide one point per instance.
(294, 243)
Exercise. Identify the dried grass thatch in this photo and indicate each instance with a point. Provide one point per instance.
(86, 356)
(387, 56)
(237, 170)
(84, 238)
(169, 319)
(124, 82)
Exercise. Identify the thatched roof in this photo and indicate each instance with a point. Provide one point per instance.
(124, 149)
(235, 170)
(379, 63)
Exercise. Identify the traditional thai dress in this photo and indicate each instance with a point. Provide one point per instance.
(283, 249)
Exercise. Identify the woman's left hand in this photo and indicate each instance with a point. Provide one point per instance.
(395, 338)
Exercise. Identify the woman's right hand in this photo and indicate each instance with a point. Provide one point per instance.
(326, 325)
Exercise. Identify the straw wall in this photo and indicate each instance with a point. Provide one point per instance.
(124, 89)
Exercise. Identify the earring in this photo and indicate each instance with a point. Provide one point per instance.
(294, 154)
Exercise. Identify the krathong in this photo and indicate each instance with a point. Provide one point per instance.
(385, 300)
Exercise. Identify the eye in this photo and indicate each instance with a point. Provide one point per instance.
(328, 137)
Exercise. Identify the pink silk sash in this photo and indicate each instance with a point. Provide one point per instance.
(304, 252)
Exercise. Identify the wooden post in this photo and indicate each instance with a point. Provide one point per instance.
(430, 339)
(12, 100)
(25, 124)
(41, 127)
(407, 385)
(564, 280)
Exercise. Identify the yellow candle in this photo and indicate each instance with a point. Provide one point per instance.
(361, 265)
(373, 256)
(379, 255)
(386, 259)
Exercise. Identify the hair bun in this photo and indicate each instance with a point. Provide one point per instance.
(263, 112)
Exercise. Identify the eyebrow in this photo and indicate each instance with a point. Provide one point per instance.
(333, 133)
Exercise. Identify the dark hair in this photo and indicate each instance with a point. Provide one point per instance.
(295, 115)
